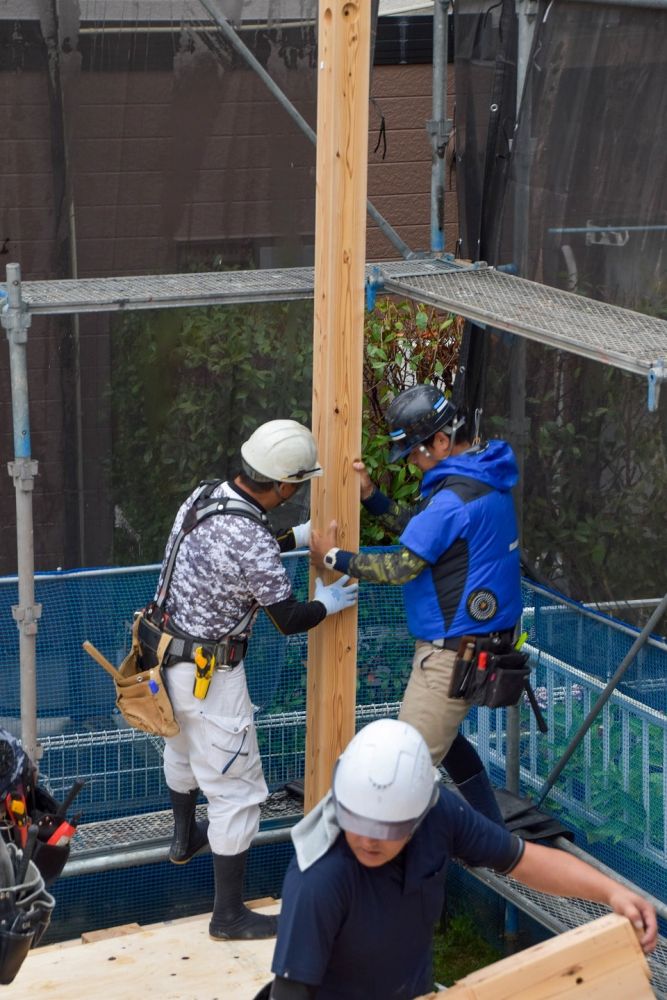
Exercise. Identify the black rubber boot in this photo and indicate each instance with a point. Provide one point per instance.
(189, 835)
(231, 920)
(464, 766)
(478, 792)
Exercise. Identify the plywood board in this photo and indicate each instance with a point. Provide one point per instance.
(169, 961)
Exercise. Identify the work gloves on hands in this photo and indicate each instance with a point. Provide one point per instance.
(336, 596)
(301, 534)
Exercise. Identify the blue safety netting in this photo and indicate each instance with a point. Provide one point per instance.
(611, 793)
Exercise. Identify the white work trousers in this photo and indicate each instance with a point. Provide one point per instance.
(217, 750)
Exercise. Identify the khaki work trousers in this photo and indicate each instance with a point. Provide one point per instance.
(426, 703)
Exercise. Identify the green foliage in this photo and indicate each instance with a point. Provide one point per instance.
(460, 949)
(617, 798)
(594, 473)
(188, 386)
(404, 344)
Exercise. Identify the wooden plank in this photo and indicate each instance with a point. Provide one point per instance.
(340, 236)
(601, 960)
(89, 937)
(170, 961)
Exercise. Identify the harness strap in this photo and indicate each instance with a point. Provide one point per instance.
(230, 649)
(199, 510)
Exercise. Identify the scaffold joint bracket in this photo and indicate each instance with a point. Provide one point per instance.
(656, 376)
(27, 617)
(23, 472)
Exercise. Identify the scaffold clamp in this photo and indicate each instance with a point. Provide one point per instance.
(657, 374)
(374, 281)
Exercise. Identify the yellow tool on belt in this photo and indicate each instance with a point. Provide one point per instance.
(17, 812)
(204, 667)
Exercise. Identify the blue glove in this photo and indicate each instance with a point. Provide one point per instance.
(336, 596)
(301, 534)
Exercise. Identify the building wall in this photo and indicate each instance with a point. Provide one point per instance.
(113, 166)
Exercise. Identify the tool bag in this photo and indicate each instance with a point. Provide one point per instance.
(25, 908)
(489, 673)
(51, 851)
(141, 693)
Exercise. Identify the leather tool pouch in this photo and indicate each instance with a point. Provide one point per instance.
(141, 694)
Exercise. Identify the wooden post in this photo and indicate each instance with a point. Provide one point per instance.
(340, 256)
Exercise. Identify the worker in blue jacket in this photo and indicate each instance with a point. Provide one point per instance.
(458, 562)
(362, 896)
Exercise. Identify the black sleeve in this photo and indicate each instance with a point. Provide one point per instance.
(290, 989)
(286, 540)
(292, 616)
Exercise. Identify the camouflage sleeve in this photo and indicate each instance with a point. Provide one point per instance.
(386, 567)
(396, 517)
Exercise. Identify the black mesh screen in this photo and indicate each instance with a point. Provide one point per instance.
(583, 209)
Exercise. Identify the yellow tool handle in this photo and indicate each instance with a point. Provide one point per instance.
(101, 659)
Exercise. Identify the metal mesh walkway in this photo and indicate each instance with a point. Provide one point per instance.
(558, 914)
(157, 291)
(620, 337)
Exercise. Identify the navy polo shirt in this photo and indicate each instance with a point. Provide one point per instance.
(363, 933)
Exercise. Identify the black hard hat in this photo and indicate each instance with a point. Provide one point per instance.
(415, 415)
(14, 763)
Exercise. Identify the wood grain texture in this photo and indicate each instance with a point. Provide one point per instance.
(169, 961)
(340, 239)
(601, 960)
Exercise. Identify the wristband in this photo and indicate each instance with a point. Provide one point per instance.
(329, 559)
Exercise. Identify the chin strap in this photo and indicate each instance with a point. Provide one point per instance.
(478, 417)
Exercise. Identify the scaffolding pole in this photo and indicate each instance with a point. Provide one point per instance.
(440, 126)
(23, 471)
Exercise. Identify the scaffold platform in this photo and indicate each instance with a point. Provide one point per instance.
(615, 336)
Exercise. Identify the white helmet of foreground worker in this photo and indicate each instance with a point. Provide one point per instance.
(384, 782)
(280, 451)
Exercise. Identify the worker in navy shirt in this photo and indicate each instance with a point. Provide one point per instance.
(458, 563)
(367, 885)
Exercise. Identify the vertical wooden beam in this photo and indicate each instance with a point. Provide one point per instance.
(340, 254)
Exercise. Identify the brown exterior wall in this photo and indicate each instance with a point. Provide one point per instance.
(160, 163)
(400, 185)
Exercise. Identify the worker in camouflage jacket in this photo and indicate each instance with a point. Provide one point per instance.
(227, 568)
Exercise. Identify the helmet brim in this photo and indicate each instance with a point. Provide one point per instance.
(378, 829)
(302, 477)
(400, 451)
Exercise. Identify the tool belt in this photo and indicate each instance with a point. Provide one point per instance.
(506, 637)
(488, 671)
(227, 653)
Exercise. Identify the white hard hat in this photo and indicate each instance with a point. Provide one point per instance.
(281, 451)
(384, 782)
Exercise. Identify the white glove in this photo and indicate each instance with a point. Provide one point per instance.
(336, 596)
(301, 534)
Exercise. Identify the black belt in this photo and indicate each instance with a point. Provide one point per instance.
(453, 642)
(228, 652)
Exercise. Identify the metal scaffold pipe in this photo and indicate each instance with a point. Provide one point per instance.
(439, 127)
(214, 8)
(23, 471)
